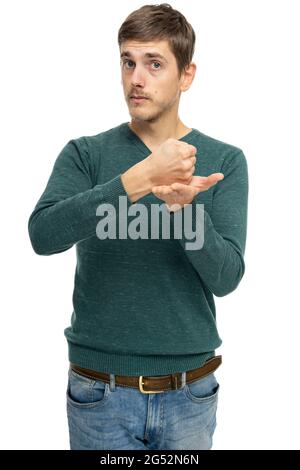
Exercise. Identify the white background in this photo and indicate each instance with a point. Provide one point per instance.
(60, 79)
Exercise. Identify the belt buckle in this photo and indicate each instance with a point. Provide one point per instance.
(141, 383)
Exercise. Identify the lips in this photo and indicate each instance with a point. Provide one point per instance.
(138, 99)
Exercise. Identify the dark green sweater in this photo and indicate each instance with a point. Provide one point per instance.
(142, 306)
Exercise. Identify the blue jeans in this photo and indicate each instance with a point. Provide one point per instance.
(106, 416)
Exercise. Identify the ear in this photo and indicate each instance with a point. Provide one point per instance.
(188, 76)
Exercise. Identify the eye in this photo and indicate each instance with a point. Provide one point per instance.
(158, 64)
(126, 61)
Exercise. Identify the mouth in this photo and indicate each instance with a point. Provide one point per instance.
(138, 99)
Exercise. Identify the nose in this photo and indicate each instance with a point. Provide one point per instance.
(137, 77)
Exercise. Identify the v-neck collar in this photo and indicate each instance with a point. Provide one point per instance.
(141, 145)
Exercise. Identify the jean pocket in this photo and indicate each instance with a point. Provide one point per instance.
(203, 390)
(84, 392)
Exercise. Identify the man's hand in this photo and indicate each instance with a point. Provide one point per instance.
(178, 195)
(172, 161)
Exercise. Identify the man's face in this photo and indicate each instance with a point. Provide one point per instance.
(149, 69)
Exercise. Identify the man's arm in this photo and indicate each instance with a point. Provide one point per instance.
(220, 262)
(66, 211)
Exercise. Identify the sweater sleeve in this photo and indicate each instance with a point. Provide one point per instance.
(66, 211)
(220, 262)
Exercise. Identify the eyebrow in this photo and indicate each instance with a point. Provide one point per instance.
(147, 54)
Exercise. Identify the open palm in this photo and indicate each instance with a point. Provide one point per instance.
(179, 194)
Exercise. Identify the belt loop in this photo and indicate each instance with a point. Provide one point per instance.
(183, 379)
(112, 382)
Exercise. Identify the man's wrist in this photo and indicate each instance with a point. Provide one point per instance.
(137, 181)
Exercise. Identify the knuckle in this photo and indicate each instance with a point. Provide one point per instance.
(183, 164)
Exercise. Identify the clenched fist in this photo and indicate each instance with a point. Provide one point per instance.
(173, 161)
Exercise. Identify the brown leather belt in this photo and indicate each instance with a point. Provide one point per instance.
(153, 384)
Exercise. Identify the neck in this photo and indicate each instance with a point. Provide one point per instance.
(157, 132)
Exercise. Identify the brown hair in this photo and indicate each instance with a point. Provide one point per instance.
(154, 22)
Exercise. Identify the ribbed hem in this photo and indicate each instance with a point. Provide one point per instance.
(122, 364)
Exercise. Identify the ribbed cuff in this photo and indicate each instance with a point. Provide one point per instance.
(112, 189)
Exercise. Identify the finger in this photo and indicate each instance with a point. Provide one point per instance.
(188, 165)
(178, 186)
(164, 190)
(191, 151)
(193, 148)
(198, 181)
(158, 189)
(204, 182)
(220, 176)
(192, 161)
(185, 191)
(215, 178)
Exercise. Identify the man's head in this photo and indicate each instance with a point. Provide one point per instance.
(156, 47)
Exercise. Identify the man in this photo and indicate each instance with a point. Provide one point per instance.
(143, 332)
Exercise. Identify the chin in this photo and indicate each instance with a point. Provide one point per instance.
(138, 116)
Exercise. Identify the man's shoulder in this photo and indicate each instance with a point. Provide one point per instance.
(91, 140)
(209, 143)
(110, 133)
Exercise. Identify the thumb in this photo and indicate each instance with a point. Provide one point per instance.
(215, 178)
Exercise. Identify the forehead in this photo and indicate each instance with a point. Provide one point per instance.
(139, 49)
